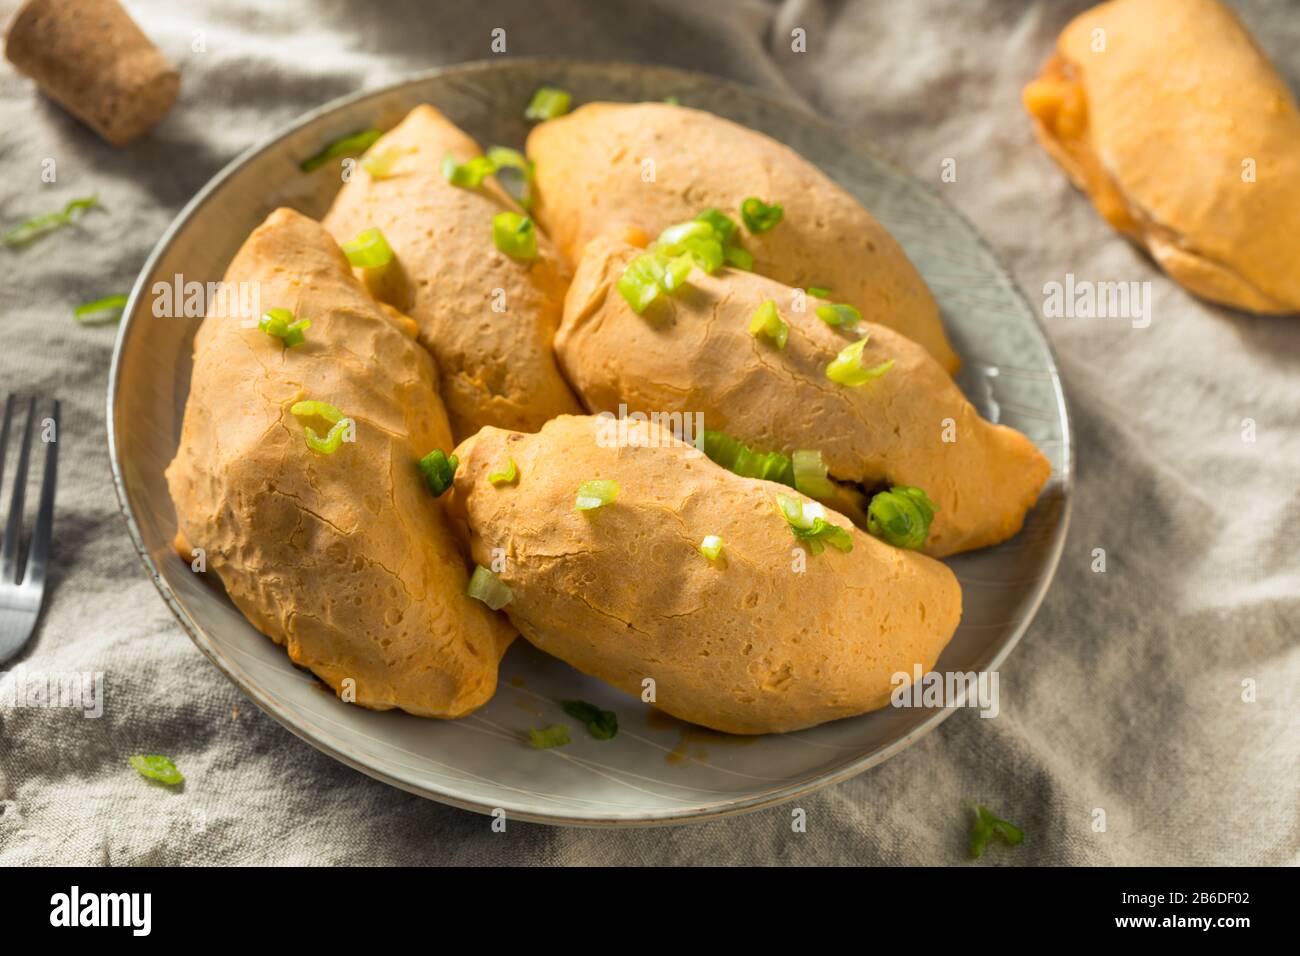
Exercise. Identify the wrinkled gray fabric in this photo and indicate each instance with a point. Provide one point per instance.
(1125, 695)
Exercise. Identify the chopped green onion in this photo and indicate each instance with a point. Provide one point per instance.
(280, 324)
(487, 587)
(695, 239)
(504, 158)
(817, 291)
(338, 425)
(804, 470)
(808, 523)
(347, 146)
(469, 174)
(676, 272)
(704, 241)
(839, 315)
(548, 103)
(438, 470)
(515, 235)
(380, 165)
(711, 547)
(672, 101)
(846, 369)
(506, 474)
(38, 226)
(601, 724)
(678, 233)
(157, 768)
(985, 825)
(767, 322)
(901, 516)
(369, 250)
(759, 216)
(810, 475)
(595, 494)
(739, 258)
(651, 273)
(726, 233)
(557, 735)
(639, 284)
(724, 227)
(101, 311)
(739, 458)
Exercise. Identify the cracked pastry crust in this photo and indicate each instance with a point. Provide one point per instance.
(744, 645)
(590, 182)
(692, 352)
(1156, 127)
(346, 559)
(497, 367)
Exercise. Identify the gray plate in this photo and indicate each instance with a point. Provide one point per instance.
(658, 770)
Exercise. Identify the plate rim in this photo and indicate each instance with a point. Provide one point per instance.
(268, 704)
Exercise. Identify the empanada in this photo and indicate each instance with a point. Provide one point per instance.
(632, 170)
(497, 366)
(1169, 117)
(766, 638)
(693, 352)
(345, 558)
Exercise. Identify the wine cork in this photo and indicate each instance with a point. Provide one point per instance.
(90, 56)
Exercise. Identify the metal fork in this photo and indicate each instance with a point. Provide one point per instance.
(20, 596)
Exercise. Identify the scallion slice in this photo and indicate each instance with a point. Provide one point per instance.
(901, 516)
(351, 145)
(810, 474)
(380, 165)
(985, 825)
(739, 458)
(846, 369)
(738, 258)
(547, 103)
(595, 494)
(711, 547)
(839, 315)
(439, 470)
(157, 768)
(818, 291)
(804, 470)
(280, 324)
(506, 474)
(468, 174)
(696, 239)
(601, 724)
(557, 735)
(38, 226)
(759, 216)
(767, 322)
(101, 311)
(505, 159)
(515, 235)
(339, 425)
(808, 523)
(724, 227)
(487, 587)
(642, 281)
(704, 242)
(369, 250)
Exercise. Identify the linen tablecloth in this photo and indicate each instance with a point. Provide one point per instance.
(1130, 692)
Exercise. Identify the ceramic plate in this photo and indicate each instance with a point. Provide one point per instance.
(658, 770)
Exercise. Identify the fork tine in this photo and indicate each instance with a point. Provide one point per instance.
(39, 555)
(4, 436)
(13, 530)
